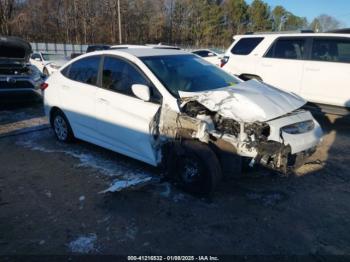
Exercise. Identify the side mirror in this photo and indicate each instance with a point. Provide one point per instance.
(141, 91)
(37, 59)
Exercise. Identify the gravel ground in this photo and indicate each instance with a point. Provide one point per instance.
(51, 201)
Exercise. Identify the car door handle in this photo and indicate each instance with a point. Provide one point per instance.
(266, 65)
(310, 69)
(65, 87)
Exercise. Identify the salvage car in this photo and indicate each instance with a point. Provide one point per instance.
(48, 63)
(173, 109)
(18, 78)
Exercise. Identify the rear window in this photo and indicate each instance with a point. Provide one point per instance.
(246, 45)
(331, 50)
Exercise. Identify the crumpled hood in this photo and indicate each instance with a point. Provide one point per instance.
(14, 49)
(247, 101)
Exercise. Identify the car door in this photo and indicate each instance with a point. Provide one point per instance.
(282, 66)
(78, 96)
(123, 120)
(326, 75)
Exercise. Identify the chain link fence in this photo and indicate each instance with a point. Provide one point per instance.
(55, 48)
(68, 49)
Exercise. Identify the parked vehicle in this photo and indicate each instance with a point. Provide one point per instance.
(315, 66)
(92, 48)
(171, 108)
(74, 55)
(114, 47)
(210, 55)
(18, 78)
(48, 63)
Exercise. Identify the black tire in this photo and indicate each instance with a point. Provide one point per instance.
(61, 127)
(46, 72)
(195, 168)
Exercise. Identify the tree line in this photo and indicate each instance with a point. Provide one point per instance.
(180, 22)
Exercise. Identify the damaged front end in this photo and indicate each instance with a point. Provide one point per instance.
(236, 133)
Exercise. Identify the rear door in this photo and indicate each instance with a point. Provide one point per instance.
(326, 78)
(124, 122)
(282, 66)
(77, 95)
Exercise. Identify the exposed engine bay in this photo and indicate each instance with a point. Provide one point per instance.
(260, 142)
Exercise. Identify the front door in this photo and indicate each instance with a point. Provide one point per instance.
(123, 120)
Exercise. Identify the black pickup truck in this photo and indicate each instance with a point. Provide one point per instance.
(18, 78)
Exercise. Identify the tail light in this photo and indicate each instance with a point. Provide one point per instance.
(224, 60)
(43, 86)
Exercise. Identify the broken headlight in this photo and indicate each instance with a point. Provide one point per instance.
(299, 128)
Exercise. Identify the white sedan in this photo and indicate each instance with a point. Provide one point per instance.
(210, 55)
(48, 63)
(171, 108)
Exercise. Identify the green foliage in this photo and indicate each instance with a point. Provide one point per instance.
(259, 16)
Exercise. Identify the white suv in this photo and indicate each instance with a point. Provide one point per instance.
(315, 66)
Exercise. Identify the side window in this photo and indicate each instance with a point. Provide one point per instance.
(85, 70)
(287, 48)
(118, 75)
(65, 71)
(204, 53)
(35, 55)
(246, 45)
(331, 50)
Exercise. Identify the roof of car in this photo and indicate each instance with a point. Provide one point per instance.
(144, 52)
(287, 34)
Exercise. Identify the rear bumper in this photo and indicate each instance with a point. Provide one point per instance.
(19, 88)
(8, 96)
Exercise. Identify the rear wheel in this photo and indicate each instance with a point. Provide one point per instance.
(195, 167)
(61, 127)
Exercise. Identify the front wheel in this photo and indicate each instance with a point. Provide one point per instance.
(62, 128)
(195, 167)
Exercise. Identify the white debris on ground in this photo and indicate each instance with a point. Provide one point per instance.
(133, 183)
(167, 191)
(127, 177)
(83, 244)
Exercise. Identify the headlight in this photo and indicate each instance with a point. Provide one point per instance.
(299, 128)
(54, 66)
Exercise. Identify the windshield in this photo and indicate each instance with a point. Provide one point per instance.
(188, 73)
(50, 57)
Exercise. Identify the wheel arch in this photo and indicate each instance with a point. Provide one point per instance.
(246, 77)
(53, 110)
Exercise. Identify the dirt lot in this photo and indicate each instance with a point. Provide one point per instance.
(50, 201)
